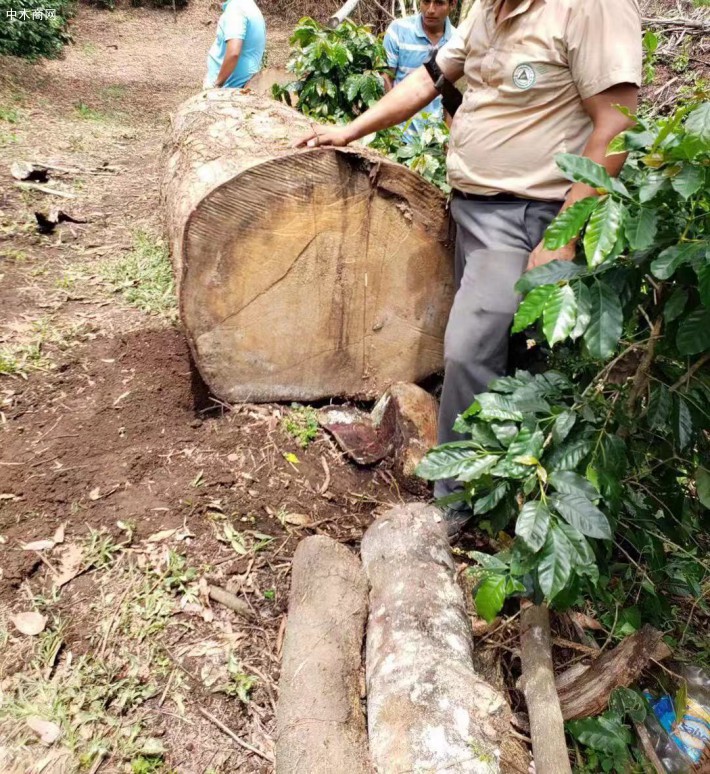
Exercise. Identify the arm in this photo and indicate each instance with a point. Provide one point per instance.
(608, 122)
(406, 99)
(231, 58)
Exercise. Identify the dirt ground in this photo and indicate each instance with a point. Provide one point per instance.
(108, 434)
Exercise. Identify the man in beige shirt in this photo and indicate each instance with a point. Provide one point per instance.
(544, 77)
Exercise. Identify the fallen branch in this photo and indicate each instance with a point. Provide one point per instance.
(231, 601)
(228, 731)
(44, 189)
(538, 684)
(589, 694)
(690, 24)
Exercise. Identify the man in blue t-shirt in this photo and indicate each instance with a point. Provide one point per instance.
(409, 42)
(238, 51)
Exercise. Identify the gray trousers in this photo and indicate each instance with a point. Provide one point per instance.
(493, 242)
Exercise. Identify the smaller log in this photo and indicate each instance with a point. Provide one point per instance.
(589, 694)
(342, 13)
(231, 601)
(427, 708)
(320, 725)
(547, 728)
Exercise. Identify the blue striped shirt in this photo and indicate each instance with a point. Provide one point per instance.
(408, 47)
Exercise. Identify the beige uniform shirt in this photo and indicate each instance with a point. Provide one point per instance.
(527, 77)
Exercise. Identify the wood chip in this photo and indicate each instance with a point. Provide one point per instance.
(30, 624)
(39, 545)
(47, 731)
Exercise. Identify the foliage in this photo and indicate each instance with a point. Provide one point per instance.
(601, 471)
(301, 423)
(143, 276)
(34, 37)
(338, 73)
(424, 153)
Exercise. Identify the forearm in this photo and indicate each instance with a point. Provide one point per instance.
(228, 65)
(405, 100)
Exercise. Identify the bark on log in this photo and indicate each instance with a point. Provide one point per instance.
(538, 683)
(589, 694)
(320, 727)
(301, 274)
(427, 708)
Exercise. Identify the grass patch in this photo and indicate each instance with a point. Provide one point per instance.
(88, 113)
(301, 423)
(144, 276)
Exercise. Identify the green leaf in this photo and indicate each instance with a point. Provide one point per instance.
(607, 319)
(568, 482)
(583, 170)
(584, 310)
(698, 123)
(626, 702)
(488, 561)
(531, 307)
(491, 500)
(704, 284)
(694, 332)
(702, 485)
(603, 230)
(602, 734)
(567, 225)
(477, 467)
(533, 524)
(682, 421)
(578, 511)
(560, 314)
(583, 554)
(447, 461)
(680, 701)
(526, 444)
(495, 406)
(641, 228)
(505, 432)
(569, 455)
(548, 274)
(673, 257)
(555, 567)
(688, 181)
(675, 305)
(659, 407)
(563, 426)
(490, 596)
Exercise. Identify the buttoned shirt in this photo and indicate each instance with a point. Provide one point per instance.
(527, 77)
(408, 47)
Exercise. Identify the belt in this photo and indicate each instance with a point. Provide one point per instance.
(502, 198)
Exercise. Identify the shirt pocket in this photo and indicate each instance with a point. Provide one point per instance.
(530, 74)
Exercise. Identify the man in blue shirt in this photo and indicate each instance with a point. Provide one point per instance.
(238, 51)
(409, 42)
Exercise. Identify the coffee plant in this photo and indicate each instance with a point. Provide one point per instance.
(28, 30)
(593, 478)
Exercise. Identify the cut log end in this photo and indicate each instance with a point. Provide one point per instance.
(303, 274)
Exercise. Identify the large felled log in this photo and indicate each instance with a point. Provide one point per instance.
(301, 274)
(538, 683)
(427, 708)
(320, 725)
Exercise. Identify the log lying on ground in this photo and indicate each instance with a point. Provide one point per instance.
(589, 693)
(427, 708)
(320, 726)
(538, 683)
(301, 274)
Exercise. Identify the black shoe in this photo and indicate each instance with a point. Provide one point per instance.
(455, 521)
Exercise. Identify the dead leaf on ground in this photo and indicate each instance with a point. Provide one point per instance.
(162, 535)
(38, 545)
(59, 534)
(71, 565)
(95, 494)
(585, 621)
(47, 731)
(29, 623)
(297, 519)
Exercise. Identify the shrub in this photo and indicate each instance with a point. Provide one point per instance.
(28, 30)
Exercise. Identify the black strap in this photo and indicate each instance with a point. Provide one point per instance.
(450, 95)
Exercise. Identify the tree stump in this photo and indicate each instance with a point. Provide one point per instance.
(301, 274)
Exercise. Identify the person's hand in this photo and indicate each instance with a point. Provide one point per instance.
(323, 136)
(541, 255)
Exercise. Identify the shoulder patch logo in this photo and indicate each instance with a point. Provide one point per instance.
(524, 76)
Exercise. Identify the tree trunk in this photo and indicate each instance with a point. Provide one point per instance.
(301, 274)
(320, 725)
(427, 708)
(538, 683)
